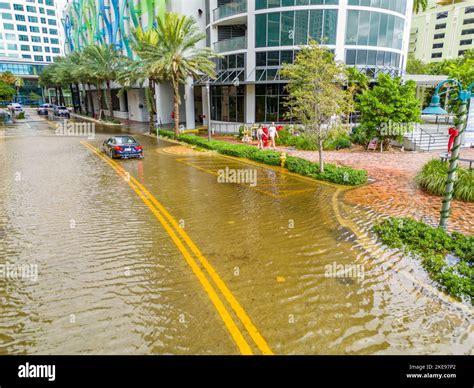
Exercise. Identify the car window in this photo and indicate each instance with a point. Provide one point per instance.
(125, 140)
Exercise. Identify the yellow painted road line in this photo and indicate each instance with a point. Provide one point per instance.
(238, 309)
(218, 304)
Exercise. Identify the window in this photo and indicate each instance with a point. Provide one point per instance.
(54, 40)
(8, 26)
(25, 47)
(469, 9)
(37, 49)
(36, 39)
(43, 20)
(4, 5)
(438, 45)
(53, 31)
(34, 29)
(442, 15)
(465, 42)
(46, 40)
(52, 22)
(21, 27)
(23, 38)
(38, 58)
(461, 52)
(440, 26)
(41, 10)
(20, 18)
(469, 21)
(468, 32)
(18, 7)
(26, 56)
(29, 8)
(46, 49)
(10, 36)
(7, 16)
(32, 19)
(437, 55)
(50, 2)
(50, 12)
(44, 30)
(48, 58)
(228, 103)
(12, 46)
(55, 50)
(439, 36)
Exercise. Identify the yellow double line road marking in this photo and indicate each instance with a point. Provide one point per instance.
(175, 232)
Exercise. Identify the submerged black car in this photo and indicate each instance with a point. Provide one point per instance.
(122, 147)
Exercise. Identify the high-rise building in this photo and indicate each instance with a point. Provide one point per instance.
(30, 38)
(444, 31)
(254, 38)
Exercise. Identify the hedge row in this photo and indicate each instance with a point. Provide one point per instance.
(340, 175)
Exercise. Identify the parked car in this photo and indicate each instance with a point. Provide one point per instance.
(61, 111)
(122, 147)
(43, 109)
(15, 106)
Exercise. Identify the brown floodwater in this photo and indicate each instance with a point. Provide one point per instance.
(111, 280)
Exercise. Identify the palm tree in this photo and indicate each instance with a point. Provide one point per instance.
(139, 72)
(8, 77)
(175, 57)
(420, 5)
(103, 63)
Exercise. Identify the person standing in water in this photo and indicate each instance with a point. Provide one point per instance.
(272, 131)
(260, 137)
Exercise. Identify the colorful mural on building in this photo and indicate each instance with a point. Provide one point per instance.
(88, 22)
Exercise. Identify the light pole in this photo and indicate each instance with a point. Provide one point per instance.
(464, 96)
(208, 89)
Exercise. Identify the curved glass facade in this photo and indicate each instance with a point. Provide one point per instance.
(365, 28)
(391, 5)
(263, 4)
(295, 28)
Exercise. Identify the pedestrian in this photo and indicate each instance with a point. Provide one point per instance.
(272, 131)
(260, 137)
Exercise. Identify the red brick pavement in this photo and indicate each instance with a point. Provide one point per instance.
(393, 190)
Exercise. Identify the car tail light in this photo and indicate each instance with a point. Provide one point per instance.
(138, 148)
(118, 148)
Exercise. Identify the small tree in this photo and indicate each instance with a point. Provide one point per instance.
(357, 82)
(391, 104)
(316, 94)
(6, 91)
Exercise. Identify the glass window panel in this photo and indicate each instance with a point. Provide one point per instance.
(364, 20)
(382, 41)
(274, 29)
(261, 31)
(301, 27)
(286, 57)
(260, 109)
(330, 26)
(372, 57)
(380, 57)
(273, 3)
(352, 26)
(316, 25)
(261, 4)
(361, 57)
(287, 3)
(273, 58)
(351, 57)
(390, 28)
(287, 28)
(374, 28)
(262, 58)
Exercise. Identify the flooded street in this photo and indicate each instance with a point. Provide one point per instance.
(170, 260)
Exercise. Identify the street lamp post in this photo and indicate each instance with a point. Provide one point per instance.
(208, 89)
(435, 108)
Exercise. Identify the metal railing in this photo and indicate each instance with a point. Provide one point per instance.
(233, 44)
(418, 136)
(225, 127)
(229, 9)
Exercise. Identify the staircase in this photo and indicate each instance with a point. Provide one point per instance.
(423, 140)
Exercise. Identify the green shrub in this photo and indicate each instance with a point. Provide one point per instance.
(432, 178)
(300, 142)
(431, 246)
(332, 173)
(340, 175)
(20, 116)
(168, 134)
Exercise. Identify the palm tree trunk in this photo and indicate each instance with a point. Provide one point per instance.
(101, 102)
(151, 87)
(176, 106)
(91, 99)
(321, 160)
(79, 97)
(109, 99)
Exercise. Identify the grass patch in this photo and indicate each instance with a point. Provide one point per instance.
(340, 175)
(433, 246)
(432, 179)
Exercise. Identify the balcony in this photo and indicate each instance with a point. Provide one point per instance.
(230, 9)
(233, 44)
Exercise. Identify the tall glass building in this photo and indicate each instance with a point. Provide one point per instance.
(254, 38)
(257, 37)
